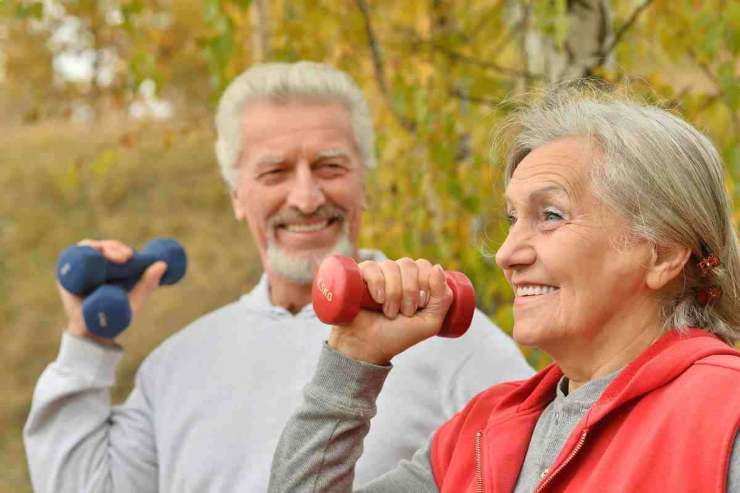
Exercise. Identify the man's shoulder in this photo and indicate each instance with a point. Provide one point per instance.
(484, 348)
(484, 337)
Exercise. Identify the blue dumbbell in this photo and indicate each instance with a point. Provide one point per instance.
(107, 311)
(86, 272)
(81, 269)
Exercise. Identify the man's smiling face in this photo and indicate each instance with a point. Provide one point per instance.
(300, 185)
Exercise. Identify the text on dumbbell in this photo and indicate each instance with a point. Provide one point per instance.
(324, 290)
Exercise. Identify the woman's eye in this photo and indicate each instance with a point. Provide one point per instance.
(511, 219)
(550, 215)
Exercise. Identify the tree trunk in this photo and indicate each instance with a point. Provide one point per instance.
(259, 13)
(586, 45)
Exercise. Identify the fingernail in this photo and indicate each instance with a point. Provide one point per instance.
(380, 295)
(408, 308)
(422, 298)
(392, 310)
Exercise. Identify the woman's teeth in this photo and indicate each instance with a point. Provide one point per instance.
(535, 290)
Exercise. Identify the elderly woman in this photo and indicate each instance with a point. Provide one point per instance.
(625, 266)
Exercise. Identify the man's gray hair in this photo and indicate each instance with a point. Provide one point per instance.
(284, 83)
(662, 175)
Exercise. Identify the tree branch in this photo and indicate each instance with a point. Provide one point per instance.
(706, 69)
(481, 100)
(454, 55)
(622, 31)
(378, 65)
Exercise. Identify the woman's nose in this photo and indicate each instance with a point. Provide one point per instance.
(517, 249)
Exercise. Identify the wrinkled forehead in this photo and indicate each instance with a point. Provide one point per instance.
(566, 164)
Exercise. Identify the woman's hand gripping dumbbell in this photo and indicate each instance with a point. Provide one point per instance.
(428, 300)
(103, 282)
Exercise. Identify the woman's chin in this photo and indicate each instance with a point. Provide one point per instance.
(528, 336)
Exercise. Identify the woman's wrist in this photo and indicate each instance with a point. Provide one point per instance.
(355, 348)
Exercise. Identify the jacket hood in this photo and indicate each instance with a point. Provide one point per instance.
(658, 365)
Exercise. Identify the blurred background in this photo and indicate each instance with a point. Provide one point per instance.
(106, 132)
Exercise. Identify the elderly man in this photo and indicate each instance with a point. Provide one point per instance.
(294, 142)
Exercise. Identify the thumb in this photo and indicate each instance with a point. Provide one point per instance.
(146, 285)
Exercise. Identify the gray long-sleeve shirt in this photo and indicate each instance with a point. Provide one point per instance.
(322, 440)
(209, 404)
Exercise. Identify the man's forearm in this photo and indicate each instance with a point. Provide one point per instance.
(68, 432)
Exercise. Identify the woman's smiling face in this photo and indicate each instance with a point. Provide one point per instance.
(574, 267)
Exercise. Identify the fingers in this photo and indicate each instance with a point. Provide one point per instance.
(73, 308)
(146, 285)
(373, 276)
(409, 286)
(393, 288)
(113, 250)
(425, 268)
(440, 294)
(401, 286)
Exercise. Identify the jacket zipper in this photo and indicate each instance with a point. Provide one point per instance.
(547, 479)
(478, 467)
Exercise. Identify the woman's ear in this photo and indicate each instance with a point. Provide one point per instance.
(666, 264)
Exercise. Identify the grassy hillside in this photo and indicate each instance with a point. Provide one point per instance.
(114, 179)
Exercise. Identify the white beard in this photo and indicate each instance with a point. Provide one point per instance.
(301, 268)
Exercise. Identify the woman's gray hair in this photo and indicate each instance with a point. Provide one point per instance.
(662, 175)
(284, 83)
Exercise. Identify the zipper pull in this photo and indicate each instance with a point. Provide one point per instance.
(478, 465)
(546, 480)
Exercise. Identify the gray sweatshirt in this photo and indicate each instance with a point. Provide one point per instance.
(318, 447)
(209, 404)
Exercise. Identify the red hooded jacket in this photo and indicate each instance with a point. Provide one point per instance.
(666, 423)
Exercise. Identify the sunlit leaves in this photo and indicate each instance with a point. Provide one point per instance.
(448, 69)
(33, 10)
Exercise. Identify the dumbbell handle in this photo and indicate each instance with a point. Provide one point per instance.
(339, 292)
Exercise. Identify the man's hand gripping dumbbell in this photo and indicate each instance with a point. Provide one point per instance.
(104, 283)
(417, 300)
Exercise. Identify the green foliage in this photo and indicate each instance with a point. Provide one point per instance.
(439, 76)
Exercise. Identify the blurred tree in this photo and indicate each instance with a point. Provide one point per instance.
(439, 75)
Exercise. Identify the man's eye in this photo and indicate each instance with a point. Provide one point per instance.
(330, 169)
(272, 172)
(511, 219)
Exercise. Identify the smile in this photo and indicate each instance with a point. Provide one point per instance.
(308, 227)
(535, 290)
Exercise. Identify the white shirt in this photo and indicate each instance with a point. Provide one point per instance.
(209, 404)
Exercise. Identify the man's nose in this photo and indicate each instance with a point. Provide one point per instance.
(517, 249)
(306, 193)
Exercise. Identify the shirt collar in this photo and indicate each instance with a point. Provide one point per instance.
(259, 297)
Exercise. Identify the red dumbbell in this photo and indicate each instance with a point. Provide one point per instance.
(339, 293)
